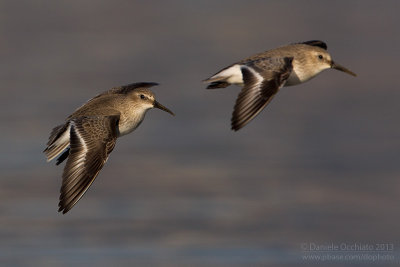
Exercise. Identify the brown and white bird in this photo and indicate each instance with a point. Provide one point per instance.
(88, 136)
(263, 74)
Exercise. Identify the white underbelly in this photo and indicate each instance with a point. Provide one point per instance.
(126, 126)
(293, 79)
(299, 75)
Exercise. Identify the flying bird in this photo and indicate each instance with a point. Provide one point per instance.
(88, 136)
(263, 74)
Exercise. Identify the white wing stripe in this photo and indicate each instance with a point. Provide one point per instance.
(82, 154)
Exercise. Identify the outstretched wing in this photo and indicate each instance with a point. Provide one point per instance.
(262, 79)
(91, 141)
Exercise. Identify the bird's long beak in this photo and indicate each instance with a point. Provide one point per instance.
(341, 68)
(159, 106)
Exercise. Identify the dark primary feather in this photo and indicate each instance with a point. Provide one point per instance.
(97, 135)
(256, 94)
(125, 89)
(129, 87)
(316, 43)
(216, 85)
(63, 156)
(56, 133)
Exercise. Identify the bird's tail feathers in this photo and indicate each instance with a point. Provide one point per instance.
(225, 77)
(58, 141)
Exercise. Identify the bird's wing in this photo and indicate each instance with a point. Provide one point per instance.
(262, 79)
(58, 141)
(91, 141)
(316, 43)
(124, 89)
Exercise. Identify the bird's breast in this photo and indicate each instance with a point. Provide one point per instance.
(293, 79)
(129, 124)
(299, 75)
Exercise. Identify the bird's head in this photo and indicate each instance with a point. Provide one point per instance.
(321, 60)
(145, 99)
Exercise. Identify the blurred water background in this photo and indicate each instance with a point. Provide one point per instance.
(319, 166)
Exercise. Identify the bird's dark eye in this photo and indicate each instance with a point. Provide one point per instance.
(320, 57)
(142, 97)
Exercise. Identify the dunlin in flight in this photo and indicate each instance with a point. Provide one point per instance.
(88, 136)
(262, 75)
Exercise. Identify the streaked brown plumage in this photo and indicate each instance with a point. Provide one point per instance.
(89, 134)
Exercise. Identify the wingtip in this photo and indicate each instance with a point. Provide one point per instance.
(146, 84)
(63, 209)
(318, 43)
(236, 125)
(235, 128)
(132, 86)
(153, 83)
